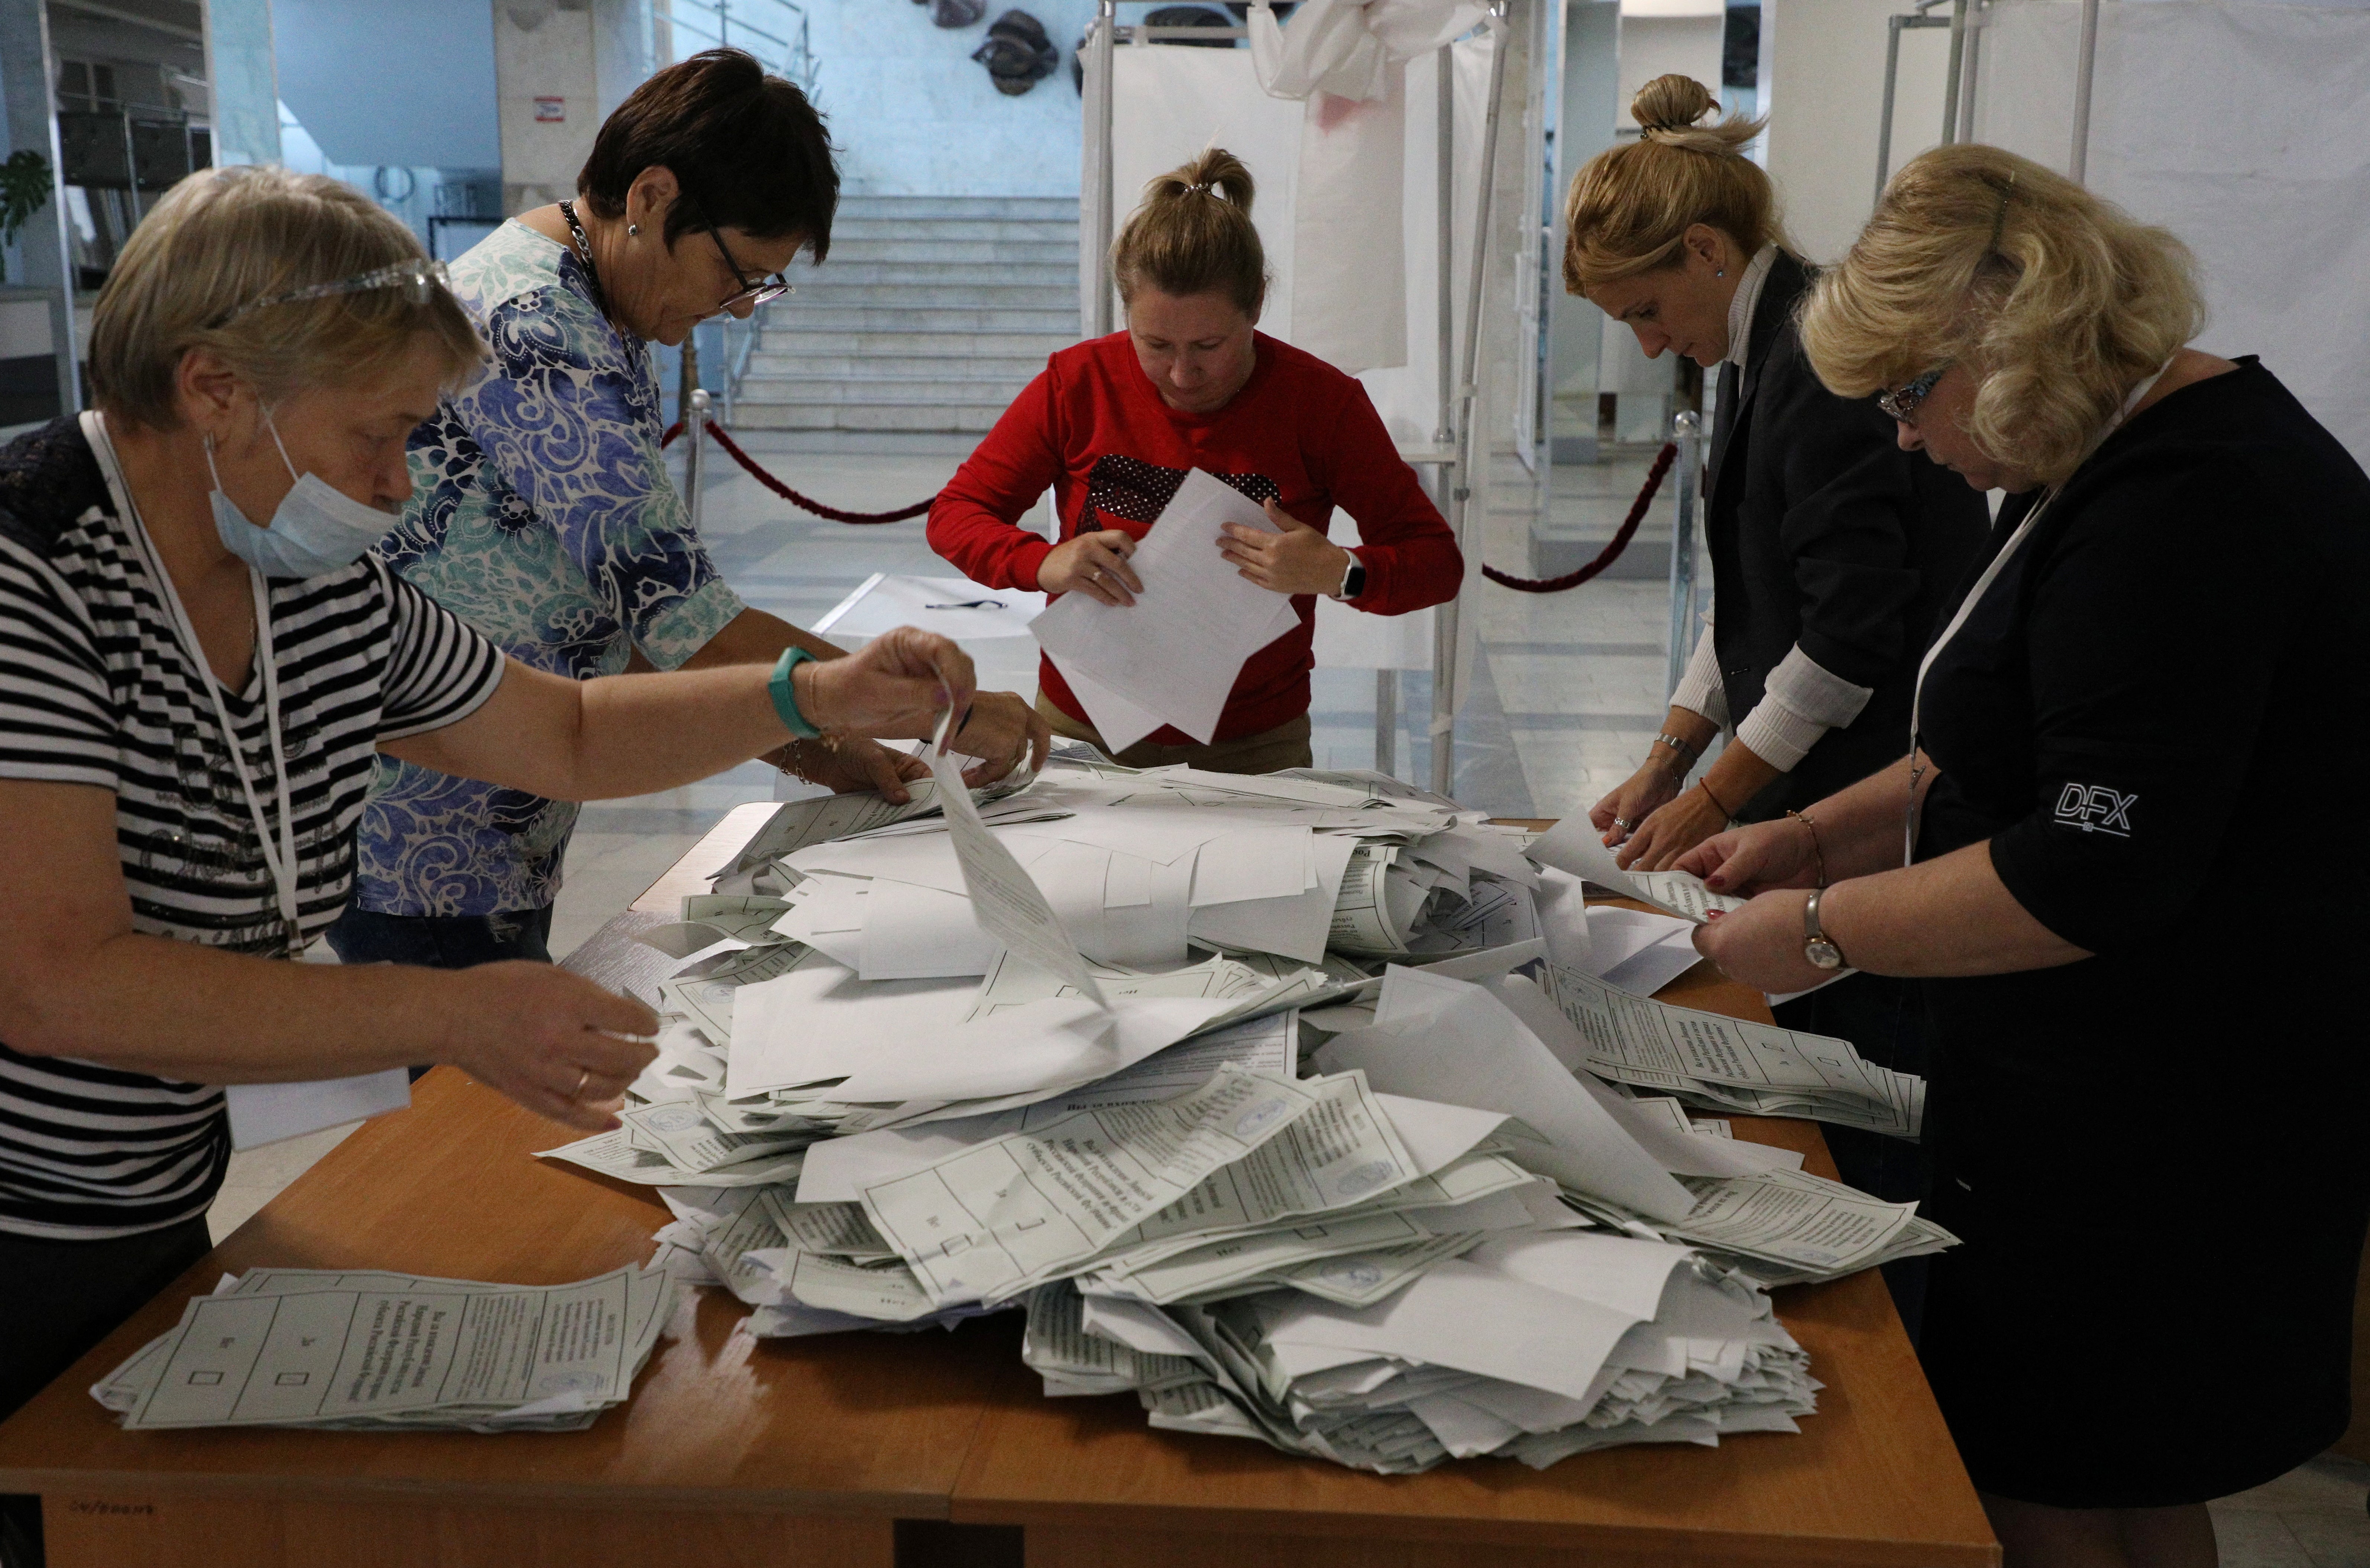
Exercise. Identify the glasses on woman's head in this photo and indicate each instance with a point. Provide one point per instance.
(1902, 405)
(769, 286)
(418, 280)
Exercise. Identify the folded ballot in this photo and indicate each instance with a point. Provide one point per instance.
(1307, 1107)
(1171, 657)
(371, 1351)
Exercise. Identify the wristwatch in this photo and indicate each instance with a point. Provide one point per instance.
(1819, 950)
(1354, 580)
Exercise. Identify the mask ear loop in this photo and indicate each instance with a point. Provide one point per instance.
(270, 425)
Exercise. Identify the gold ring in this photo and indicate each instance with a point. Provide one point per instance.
(583, 1077)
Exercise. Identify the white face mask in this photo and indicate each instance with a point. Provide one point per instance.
(316, 528)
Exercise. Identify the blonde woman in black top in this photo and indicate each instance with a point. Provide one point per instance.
(2149, 1143)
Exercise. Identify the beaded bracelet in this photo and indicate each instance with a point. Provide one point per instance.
(1817, 849)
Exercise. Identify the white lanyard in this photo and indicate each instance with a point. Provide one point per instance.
(1975, 596)
(283, 864)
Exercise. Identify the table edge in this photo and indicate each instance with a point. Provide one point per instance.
(1725, 1546)
(261, 1487)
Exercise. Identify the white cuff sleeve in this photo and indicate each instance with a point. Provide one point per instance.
(1799, 703)
(1699, 689)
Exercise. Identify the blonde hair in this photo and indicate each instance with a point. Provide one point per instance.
(1193, 234)
(226, 237)
(1632, 205)
(2060, 302)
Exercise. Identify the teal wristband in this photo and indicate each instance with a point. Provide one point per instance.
(786, 697)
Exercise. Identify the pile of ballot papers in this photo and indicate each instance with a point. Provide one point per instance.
(1305, 1106)
(384, 1351)
(1724, 1065)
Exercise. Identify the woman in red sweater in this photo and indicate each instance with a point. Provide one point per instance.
(1114, 424)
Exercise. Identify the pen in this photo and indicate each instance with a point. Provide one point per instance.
(969, 605)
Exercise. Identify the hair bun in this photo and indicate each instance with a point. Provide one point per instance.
(1672, 103)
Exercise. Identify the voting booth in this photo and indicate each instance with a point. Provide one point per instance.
(2235, 126)
(1368, 128)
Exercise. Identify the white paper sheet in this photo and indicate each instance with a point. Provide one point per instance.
(267, 1112)
(952, 606)
(1007, 905)
(993, 1219)
(1178, 649)
(1456, 1041)
(1575, 845)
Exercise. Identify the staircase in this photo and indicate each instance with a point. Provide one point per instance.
(931, 314)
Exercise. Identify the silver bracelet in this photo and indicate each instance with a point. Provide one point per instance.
(1677, 744)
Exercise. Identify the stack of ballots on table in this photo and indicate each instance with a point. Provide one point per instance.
(1718, 1062)
(1359, 1196)
(373, 1351)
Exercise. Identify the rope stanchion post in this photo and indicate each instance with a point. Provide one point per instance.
(695, 455)
(1688, 434)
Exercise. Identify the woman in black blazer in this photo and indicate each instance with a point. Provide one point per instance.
(1830, 550)
(1831, 547)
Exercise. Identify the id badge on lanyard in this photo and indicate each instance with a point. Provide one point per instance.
(280, 860)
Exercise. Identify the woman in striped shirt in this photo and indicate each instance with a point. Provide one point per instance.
(198, 662)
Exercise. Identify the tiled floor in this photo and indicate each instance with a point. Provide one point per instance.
(2311, 1517)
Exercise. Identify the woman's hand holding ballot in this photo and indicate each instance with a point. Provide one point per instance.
(555, 1042)
(1093, 564)
(1297, 560)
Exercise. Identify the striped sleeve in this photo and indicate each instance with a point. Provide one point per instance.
(57, 709)
(441, 669)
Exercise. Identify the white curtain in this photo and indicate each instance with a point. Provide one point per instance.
(2239, 127)
(1173, 101)
(1346, 60)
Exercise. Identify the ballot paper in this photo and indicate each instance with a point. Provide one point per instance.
(1531, 1347)
(1120, 721)
(267, 1112)
(1008, 905)
(1176, 652)
(293, 1347)
(1809, 1228)
(1639, 952)
(1729, 1064)
(614, 1154)
(1146, 1170)
(796, 824)
(992, 1221)
(1574, 845)
(1456, 1042)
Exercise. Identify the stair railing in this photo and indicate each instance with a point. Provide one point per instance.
(741, 339)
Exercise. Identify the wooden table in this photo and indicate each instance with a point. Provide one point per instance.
(735, 1450)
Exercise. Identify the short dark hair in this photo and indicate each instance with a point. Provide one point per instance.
(749, 150)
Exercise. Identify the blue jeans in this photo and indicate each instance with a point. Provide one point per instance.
(442, 941)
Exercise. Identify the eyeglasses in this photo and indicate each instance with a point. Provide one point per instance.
(769, 286)
(419, 281)
(1902, 405)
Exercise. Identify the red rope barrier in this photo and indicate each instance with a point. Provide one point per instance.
(1611, 552)
(830, 514)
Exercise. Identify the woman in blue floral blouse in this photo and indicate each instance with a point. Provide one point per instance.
(542, 513)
